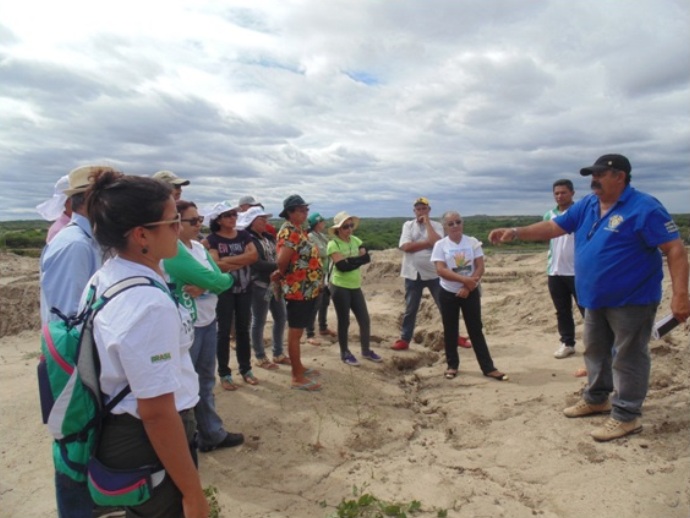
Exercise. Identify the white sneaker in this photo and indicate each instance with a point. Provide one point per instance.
(564, 351)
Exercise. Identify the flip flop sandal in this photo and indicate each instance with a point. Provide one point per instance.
(250, 379)
(312, 373)
(450, 374)
(309, 386)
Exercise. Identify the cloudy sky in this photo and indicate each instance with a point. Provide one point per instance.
(356, 105)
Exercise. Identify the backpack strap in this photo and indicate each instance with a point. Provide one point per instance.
(88, 355)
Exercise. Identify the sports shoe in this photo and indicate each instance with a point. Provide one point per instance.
(614, 429)
(350, 359)
(400, 345)
(464, 342)
(372, 356)
(231, 440)
(564, 351)
(582, 409)
(227, 383)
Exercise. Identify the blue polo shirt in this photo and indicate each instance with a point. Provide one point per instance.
(617, 259)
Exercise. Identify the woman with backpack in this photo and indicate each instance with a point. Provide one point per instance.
(143, 340)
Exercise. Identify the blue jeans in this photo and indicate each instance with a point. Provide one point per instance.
(73, 498)
(203, 353)
(320, 308)
(260, 308)
(617, 357)
(413, 297)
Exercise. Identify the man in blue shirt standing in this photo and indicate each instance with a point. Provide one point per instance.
(67, 263)
(620, 236)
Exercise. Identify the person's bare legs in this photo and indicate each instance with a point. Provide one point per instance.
(294, 337)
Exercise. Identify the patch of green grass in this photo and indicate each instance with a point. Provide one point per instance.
(366, 505)
(211, 493)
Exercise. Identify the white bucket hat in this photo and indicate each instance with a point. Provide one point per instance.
(52, 208)
(211, 212)
(247, 217)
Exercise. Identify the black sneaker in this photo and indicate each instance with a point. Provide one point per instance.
(231, 440)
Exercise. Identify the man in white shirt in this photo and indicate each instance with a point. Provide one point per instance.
(560, 267)
(416, 241)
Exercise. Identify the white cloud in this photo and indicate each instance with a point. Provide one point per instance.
(359, 106)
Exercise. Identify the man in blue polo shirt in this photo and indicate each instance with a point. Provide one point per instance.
(620, 236)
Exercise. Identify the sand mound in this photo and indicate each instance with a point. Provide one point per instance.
(471, 446)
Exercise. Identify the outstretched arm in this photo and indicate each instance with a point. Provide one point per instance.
(541, 231)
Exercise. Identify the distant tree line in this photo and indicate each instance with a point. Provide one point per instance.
(28, 237)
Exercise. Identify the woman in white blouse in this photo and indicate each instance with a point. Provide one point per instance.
(459, 261)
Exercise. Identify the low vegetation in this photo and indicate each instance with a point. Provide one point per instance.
(28, 237)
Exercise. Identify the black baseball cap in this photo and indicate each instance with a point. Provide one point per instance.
(606, 162)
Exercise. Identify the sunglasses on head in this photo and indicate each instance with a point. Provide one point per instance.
(455, 223)
(194, 221)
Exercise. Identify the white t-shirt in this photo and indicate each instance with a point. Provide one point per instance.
(459, 257)
(143, 340)
(561, 257)
(420, 261)
(206, 303)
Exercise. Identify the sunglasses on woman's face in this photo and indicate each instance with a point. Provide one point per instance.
(347, 226)
(232, 214)
(455, 223)
(194, 221)
(172, 222)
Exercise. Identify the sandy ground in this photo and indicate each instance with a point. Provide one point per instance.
(471, 446)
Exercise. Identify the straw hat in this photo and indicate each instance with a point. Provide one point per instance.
(80, 178)
(341, 218)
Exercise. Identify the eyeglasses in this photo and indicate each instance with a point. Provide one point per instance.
(231, 214)
(171, 222)
(455, 223)
(347, 226)
(194, 221)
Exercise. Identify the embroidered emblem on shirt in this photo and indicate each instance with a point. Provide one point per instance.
(671, 227)
(615, 221)
(160, 357)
